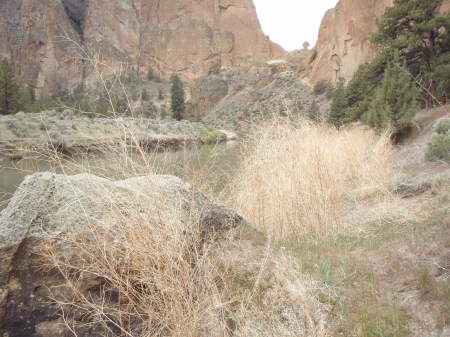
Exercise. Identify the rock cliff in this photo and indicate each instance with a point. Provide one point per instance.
(52, 42)
(343, 43)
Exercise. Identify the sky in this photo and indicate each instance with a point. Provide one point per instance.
(292, 22)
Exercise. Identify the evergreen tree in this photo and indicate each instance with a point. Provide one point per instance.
(340, 103)
(361, 88)
(145, 95)
(178, 105)
(10, 90)
(420, 35)
(395, 102)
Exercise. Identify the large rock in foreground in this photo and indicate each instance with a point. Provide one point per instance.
(48, 206)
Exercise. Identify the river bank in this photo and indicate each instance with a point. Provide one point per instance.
(23, 135)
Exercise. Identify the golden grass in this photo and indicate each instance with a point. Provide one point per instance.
(144, 278)
(298, 179)
(138, 276)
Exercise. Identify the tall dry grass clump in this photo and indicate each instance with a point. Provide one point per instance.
(298, 178)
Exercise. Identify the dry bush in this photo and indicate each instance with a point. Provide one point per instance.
(298, 179)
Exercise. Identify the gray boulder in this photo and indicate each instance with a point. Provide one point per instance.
(47, 206)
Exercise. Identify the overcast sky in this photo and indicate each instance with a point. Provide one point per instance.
(292, 22)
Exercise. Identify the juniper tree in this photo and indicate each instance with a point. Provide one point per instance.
(395, 102)
(420, 35)
(337, 112)
(10, 90)
(178, 105)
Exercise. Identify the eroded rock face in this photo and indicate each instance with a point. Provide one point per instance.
(343, 43)
(192, 37)
(39, 38)
(344, 34)
(48, 206)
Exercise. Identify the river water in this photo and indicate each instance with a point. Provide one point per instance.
(215, 162)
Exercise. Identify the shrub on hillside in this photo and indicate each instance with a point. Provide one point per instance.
(337, 115)
(395, 102)
(153, 76)
(145, 95)
(443, 126)
(322, 87)
(439, 148)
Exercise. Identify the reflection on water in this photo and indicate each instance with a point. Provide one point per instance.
(211, 164)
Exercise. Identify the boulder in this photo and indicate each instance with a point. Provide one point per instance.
(46, 207)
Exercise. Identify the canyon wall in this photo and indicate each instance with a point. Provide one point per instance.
(54, 43)
(343, 43)
(344, 34)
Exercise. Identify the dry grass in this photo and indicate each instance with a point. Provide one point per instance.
(310, 183)
(298, 179)
(144, 278)
(141, 277)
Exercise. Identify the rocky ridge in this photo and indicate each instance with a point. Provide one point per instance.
(60, 45)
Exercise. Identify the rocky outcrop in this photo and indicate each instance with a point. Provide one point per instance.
(47, 207)
(276, 87)
(40, 39)
(343, 42)
(54, 42)
(445, 7)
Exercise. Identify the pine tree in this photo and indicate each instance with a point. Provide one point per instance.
(10, 91)
(419, 34)
(337, 111)
(395, 102)
(178, 105)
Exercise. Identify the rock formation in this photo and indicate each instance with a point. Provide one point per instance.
(344, 34)
(47, 207)
(46, 38)
(343, 43)
(445, 7)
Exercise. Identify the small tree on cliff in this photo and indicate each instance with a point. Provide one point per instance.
(10, 91)
(178, 105)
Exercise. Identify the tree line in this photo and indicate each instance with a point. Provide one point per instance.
(14, 97)
(411, 71)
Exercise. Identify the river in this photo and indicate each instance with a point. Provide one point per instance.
(212, 164)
